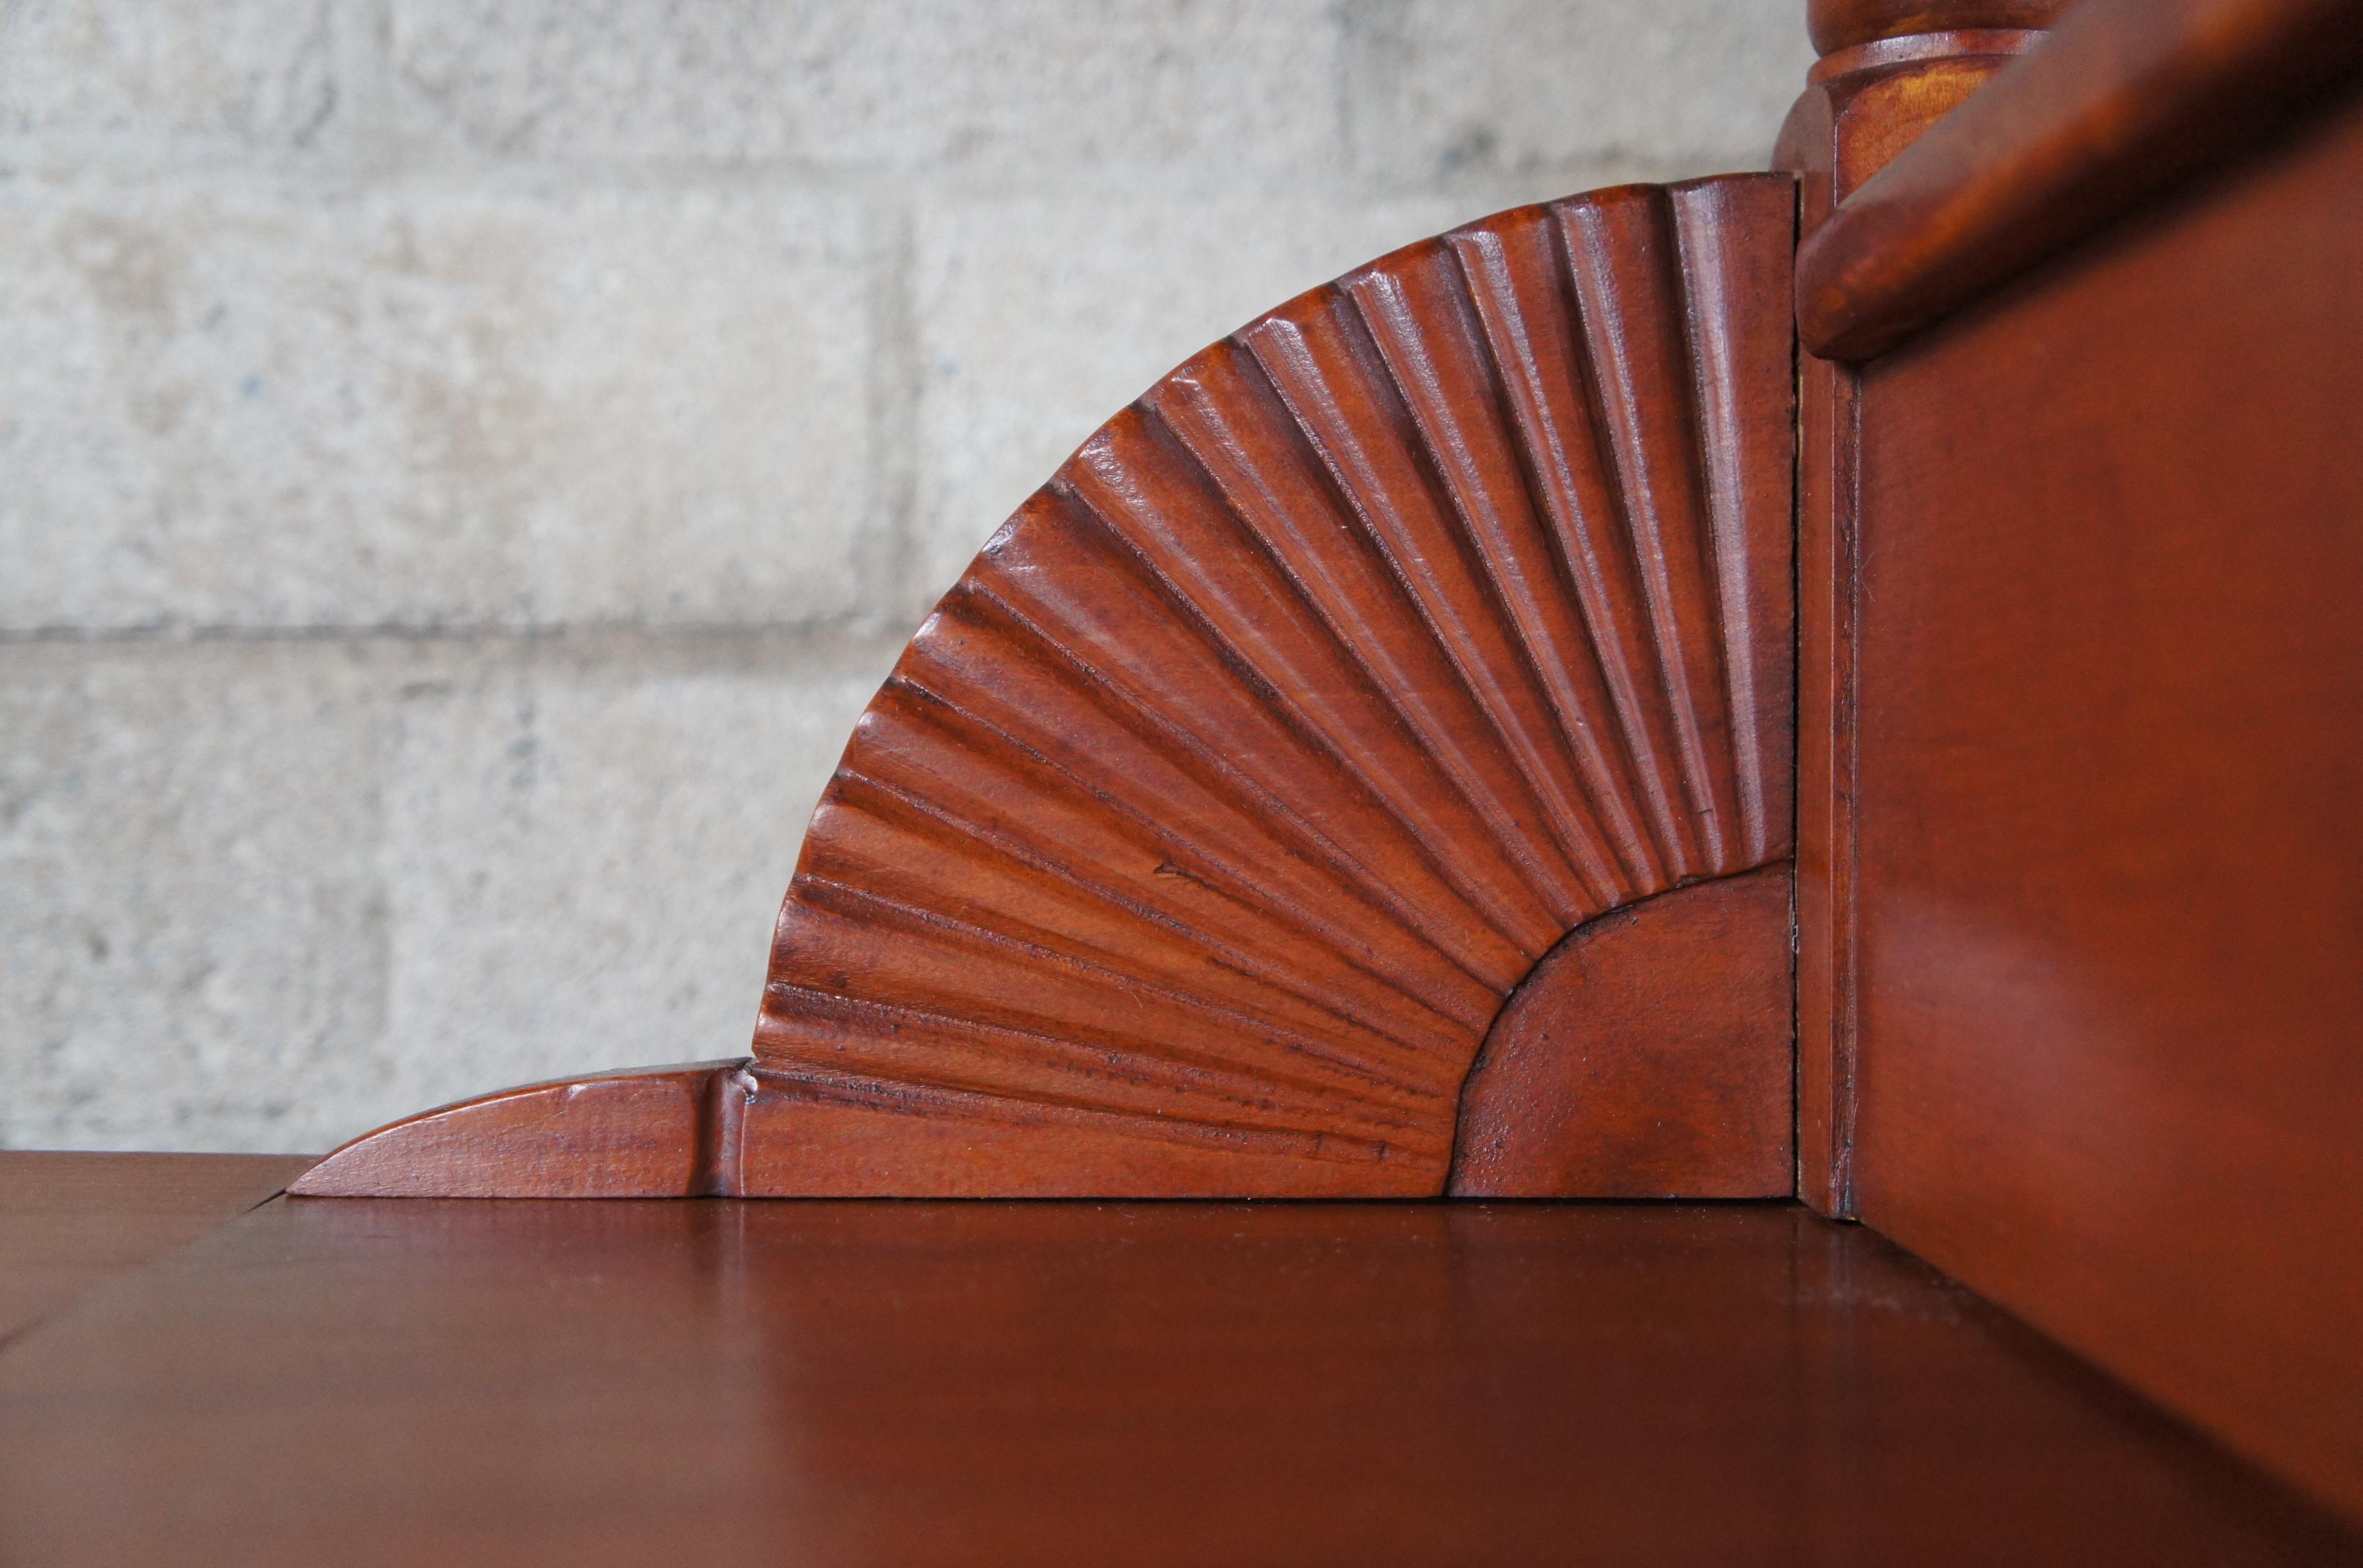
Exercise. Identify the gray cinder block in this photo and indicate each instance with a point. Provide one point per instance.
(586, 847)
(257, 74)
(1455, 91)
(193, 928)
(249, 402)
(1037, 319)
(1020, 84)
(467, 461)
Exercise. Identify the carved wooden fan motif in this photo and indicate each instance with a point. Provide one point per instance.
(1199, 836)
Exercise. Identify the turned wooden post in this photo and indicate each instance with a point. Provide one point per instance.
(1889, 70)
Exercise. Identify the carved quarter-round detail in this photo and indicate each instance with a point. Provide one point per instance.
(1199, 834)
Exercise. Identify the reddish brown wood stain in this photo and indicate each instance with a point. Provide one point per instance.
(1648, 1056)
(1865, 103)
(651, 1132)
(903, 1383)
(2130, 95)
(2080, 694)
(2111, 896)
(1200, 834)
(69, 1221)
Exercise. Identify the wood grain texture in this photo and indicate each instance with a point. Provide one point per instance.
(1649, 1055)
(2110, 898)
(1202, 831)
(1864, 105)
(70, 1221)
(2128, 96)
(909, 1383)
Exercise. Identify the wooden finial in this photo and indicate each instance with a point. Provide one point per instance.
(1837, 24)
(1889, 70)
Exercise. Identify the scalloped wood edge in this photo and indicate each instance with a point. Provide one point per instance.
(1199, 838)
(1648, 1056)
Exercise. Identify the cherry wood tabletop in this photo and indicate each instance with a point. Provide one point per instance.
(718, 1381)
(69, 1221)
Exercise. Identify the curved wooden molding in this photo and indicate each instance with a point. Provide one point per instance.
(1649, 1055)
(1200, 834)
(2125, 97)
(647, 1132)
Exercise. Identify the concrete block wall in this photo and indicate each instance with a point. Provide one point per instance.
(464, 463)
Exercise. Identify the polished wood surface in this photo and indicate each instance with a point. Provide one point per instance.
(1650, 1054)
(1200, 834)
(1864, 104)
(2128, 96)
(2110, 751)
(69, 1221)
(1363, 771)
(651, 1132)
(427, 1382)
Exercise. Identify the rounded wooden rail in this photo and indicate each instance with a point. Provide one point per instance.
(2124, 97)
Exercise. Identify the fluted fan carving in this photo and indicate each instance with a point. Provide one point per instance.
(1201, 833)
